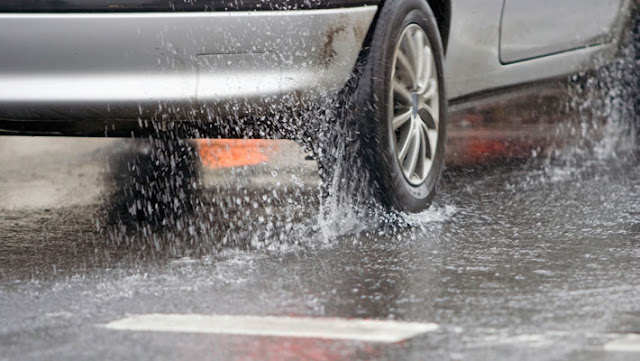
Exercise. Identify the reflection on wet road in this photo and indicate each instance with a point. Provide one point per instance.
(537, 259)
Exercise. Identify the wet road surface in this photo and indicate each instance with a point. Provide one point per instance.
(528, 260)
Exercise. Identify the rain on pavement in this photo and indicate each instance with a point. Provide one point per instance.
(531, 250)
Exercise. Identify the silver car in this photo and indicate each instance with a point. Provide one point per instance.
(109, 67)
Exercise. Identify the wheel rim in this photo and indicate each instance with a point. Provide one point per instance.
(414, 105)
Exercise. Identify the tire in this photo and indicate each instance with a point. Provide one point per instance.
(403, 158)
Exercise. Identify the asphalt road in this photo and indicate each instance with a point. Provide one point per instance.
(527, 260)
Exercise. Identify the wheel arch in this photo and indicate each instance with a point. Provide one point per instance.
(442, 11)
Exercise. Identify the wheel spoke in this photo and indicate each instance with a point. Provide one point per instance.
(433, 139)
(407, 66)
(414, 53)
(401, 119)
(423, 166)
(405, 142)
(430, 90)
(424, 107)
(428, 60)
(414, 151)
(419, 56)
(401, 90)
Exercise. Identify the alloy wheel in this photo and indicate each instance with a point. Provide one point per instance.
(414, 104)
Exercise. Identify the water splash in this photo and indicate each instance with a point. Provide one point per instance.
(163, 204)
(606, 103)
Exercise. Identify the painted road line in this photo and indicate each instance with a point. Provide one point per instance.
(629, 343)
(326, 328)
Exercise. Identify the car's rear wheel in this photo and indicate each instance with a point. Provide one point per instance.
(401, 106)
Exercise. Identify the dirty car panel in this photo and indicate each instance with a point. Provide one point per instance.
(131, 65)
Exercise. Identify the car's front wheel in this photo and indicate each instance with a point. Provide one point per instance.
(402, 107)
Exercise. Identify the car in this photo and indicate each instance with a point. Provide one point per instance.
(114, 68)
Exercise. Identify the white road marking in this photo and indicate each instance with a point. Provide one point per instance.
(629, 343)
(327, 328)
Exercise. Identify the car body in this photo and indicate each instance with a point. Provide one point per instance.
(104, 67)
(98, 60)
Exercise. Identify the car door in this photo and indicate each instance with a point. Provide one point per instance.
(534, 28)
